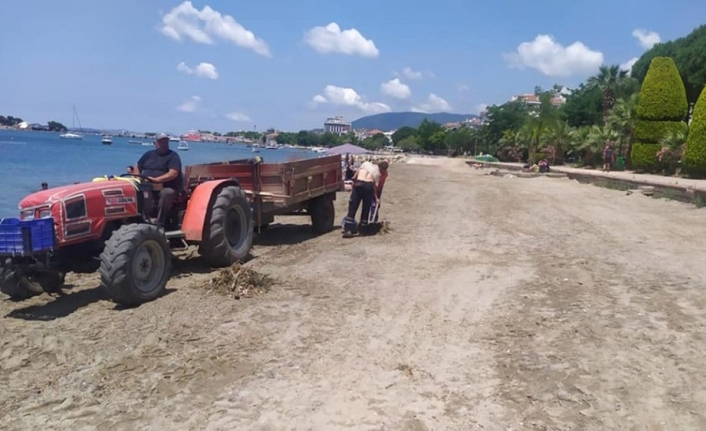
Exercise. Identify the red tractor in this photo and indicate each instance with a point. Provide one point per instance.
(106, 224)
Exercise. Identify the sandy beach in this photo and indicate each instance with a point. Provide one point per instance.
(493, 303)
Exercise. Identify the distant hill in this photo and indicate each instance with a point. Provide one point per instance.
(395, 120)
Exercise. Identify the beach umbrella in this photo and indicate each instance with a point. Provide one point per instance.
(347, 149)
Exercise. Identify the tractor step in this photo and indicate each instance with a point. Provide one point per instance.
(174, 234)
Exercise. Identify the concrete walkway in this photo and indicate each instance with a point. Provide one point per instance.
(627, 176)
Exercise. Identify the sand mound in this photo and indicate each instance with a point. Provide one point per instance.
(240, 282)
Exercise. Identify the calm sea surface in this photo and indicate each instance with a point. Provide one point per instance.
(29, 158)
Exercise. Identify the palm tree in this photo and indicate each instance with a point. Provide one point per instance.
(559, 135)
(672, 151)
(610, 80)
(622, 118)
(589, 141)
(539, 120)
(674, 139)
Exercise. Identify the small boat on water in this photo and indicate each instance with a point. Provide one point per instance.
(133, 142)
(183, 146)
(69, 135)
(147, 144)
(106, 140)
(255, 150)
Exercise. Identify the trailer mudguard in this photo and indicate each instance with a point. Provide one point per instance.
(199, 207)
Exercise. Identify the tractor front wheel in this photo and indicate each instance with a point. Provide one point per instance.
(135, 264)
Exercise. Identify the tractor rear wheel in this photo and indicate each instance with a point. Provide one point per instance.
(135, 264)
(228, 233)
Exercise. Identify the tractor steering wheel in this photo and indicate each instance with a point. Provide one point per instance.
(142, 177)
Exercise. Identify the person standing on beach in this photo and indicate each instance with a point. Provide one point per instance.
(608, 157)
(383, 166)
(365, 190)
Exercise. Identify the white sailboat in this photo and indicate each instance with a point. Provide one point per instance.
(69, 135)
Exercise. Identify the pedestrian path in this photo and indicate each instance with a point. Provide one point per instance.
(628, 176)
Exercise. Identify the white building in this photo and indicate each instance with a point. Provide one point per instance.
(336, 125)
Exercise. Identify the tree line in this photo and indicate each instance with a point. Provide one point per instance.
(10, 121)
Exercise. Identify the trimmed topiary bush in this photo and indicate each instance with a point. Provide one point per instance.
(651, 132)
(694, 163)
(644, 157)
(661, 108)
(662, 95)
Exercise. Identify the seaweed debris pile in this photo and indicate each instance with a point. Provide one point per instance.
(241, 282)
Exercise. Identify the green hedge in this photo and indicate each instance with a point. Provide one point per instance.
(643, 157)
(694, 163)
(650, 132)
(662, 95)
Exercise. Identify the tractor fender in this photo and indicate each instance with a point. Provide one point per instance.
(199, 206)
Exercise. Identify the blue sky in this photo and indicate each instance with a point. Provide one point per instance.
(157, 65)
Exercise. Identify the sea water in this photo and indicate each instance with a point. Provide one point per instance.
(27, 159)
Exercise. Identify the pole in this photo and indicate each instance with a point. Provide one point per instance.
(475, 146)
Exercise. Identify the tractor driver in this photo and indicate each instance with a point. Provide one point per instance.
(162, 166)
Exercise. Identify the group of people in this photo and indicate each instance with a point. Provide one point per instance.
(368, 181)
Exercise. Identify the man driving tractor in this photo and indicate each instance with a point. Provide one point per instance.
(161, 166)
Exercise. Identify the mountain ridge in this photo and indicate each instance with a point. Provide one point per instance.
(388, 121)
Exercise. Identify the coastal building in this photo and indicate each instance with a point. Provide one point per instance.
(192, 135)
(473, 122)
(336, 125)
(532, 99)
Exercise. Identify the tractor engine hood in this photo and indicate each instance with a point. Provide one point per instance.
(82, 211)
(60, 193)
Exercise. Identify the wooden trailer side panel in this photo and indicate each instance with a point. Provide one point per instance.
(275, 186)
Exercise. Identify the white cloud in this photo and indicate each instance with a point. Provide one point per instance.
(411, 74)
(331, 39)
(647, 39)
(481, 107)
(462, 88)
(396, 88)
(238, 116)
(553, 59)
(205, 25)
(433, 103)
(408, 73)
(190, 105)
(202, 70)
(343, 96)
(629, 64)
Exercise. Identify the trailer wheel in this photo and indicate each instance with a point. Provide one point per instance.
(228, 233)
(323, 214)
(135, 264)
(49, 282)
(13, 286)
